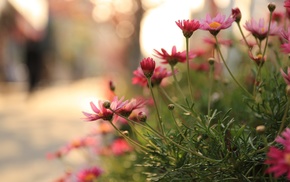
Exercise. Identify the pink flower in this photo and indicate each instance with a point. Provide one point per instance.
(159, 74)
(102, 112)
(279, 159)
(214, 25)
(285, 76)
(88, 174)
(212, 41)
(260, 29)
(258, 59)
(188, 26)
(174, 57)
(286, 48)
(120, 146)
(148, 66)
(287, 3)
(130, 106)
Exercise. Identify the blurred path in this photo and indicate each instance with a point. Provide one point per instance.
(30, 127)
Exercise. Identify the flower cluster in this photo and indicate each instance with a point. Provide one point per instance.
(226, 125)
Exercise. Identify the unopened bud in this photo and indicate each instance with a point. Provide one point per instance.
(171, 106)
(112, 86)
(142, 116)
(211, 61)
(271, 7)
(236, 15)
(260, 129)
(107, 104)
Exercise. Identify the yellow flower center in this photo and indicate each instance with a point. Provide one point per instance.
(214, 25)
(89, 177)
(259, 56)
(262, 30)
(287, 158)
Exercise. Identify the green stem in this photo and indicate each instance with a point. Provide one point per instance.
(176, 82)
(221, 55)
(144, 149)
(241, 31)
(210, 88)
(188, 73)
(284, 117)
(267, 38)
(178, 128)
(156, 107)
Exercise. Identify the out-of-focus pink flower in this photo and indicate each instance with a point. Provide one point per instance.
(159, 74)
(65, 178)
(285, 48)
(200, 66)
(214, 25)
(147, 66)
(120, 146)
(90, 174)
(236, 15)
(279, 159)
(102, 112)
(174, 57)
(286, 76)
(212, 41)
(260, 29)
(258, 59)
(188, 27)
(57, 154)
(287, 3)
(277, 17)
(130, 106)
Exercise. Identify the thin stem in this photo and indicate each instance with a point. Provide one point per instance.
(176, 82)
(156, 107)
(267, 38)
(284, 117)
(239, 26)
(188, 73)
(221, 55)
(144, 149)
(178, 128)
(210, 88)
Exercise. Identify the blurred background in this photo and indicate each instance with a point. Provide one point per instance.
(58, 55)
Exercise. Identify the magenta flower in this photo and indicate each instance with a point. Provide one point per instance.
(130, 106)
(287, 3)
(285, 76)
(174, 57)
(260, 30)
(148, 66)
(285, 48)
(279, 159)
(102, 112)
(188, 26)
(159, 74)
(89, 174)
(214, 25)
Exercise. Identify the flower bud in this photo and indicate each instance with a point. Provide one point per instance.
(112, 86)
(171, 107)
(107, 104)
(271, 7)
(211, 61)
(142, 116)
(148, 66)
(260, 129)
(236, 15)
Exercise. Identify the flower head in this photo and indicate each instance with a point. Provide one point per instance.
(148, 66)
(89, 174)
(174, 57)
(286, 76)
(279, 159)
(188, 26)
(285, 48)
(120, 146)
(236, 15)
(101, 112)
(257, 58)
(130, 106)
(214, 25)
(159, 74)
(260, 30)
